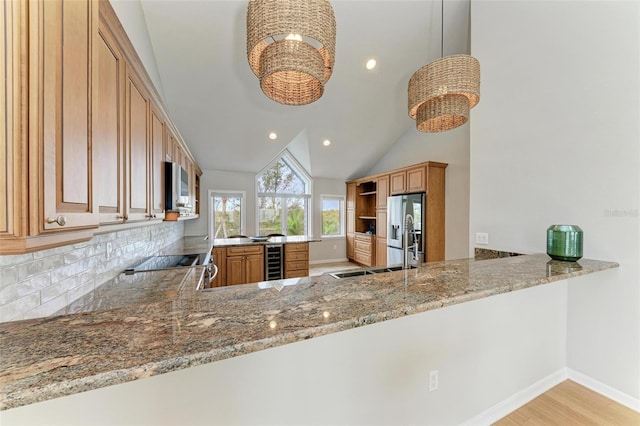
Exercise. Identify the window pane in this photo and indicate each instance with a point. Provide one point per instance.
(281, 179)
(270, 210)
(295, 216)
(330, 216)
(227, 215)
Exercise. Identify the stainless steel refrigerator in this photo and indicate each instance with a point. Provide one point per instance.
(398, 207)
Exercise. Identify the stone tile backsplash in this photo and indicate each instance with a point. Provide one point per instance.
(40, 283)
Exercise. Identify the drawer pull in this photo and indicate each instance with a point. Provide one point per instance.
(60, 220)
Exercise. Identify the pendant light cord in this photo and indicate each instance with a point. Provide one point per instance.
(442, 29)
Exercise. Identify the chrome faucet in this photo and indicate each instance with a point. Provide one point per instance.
(408, 223)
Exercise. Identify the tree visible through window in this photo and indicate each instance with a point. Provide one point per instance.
(283, 198)
(226, 214)
(332, 212)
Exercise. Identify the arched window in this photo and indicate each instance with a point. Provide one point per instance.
(283, 198)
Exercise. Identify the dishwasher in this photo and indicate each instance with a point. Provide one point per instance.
(273, 262)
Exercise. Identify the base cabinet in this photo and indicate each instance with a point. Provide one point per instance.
(365, 249)
(296, 260)
(244, 265)
(381, 251)
(220, 260)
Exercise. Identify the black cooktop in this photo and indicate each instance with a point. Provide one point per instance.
(159, 263)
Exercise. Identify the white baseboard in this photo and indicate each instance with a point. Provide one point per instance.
(319, 262)
(501, 409)
(509, 405)
(605, 390)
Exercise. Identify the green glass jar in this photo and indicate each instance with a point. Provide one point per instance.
(564, 242)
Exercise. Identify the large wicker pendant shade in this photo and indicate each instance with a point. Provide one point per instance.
(442, 93)
(291, 48)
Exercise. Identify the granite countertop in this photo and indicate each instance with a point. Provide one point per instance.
(229, 242)
(188, 245)
(55, 356)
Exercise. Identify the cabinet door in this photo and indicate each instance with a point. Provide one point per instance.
(254, 268)
(170, 145)
(61, 43)
(381, 251)
(221, 262)
(351, 221)
(108, 131)
(351, 246)
(381, 223)
(235, 270)
(351, 196)
(382, 188)
(136, 122)
(416, 179)
(397, 182)
(156, 161)
(10, 35)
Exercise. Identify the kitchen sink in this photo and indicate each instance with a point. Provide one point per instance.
(368, 271)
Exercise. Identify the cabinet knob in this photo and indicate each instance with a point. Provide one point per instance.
(150, 216)
(122, 217)
(60, 220)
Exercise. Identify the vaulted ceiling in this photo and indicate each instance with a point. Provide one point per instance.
(216, 101)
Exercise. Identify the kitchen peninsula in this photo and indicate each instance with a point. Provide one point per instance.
(51, 357)
(253, 259)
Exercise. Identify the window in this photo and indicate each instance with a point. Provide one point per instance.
(332, 215)
(227, 213)
(284, 192)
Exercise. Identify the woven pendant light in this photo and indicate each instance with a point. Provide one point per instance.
(441, 93)
(291, 48)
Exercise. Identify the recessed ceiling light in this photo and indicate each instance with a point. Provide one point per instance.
(371, 64)
(273, 136)
(326, 142)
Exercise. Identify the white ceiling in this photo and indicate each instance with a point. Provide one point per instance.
(216, 101)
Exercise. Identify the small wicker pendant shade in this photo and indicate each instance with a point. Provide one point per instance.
(442, 93)
(291, 48)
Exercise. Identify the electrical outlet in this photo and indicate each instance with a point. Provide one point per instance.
(433, 380)
(482, 238)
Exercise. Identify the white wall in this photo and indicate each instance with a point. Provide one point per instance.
(132, 18)
(450, 147)
(484, 351)
(555, 139)
(329, 249)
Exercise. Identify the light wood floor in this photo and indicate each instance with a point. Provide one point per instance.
(571, 404)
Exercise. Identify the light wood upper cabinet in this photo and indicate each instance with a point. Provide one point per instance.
(351, 195)
(171, 142)
(407, 180)
(416, 179)
(398, 182)
(383, 192)
(61, 80)
(80, 146)
(156, 161)
(10, 97)
(136, 139)
(108, 131)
